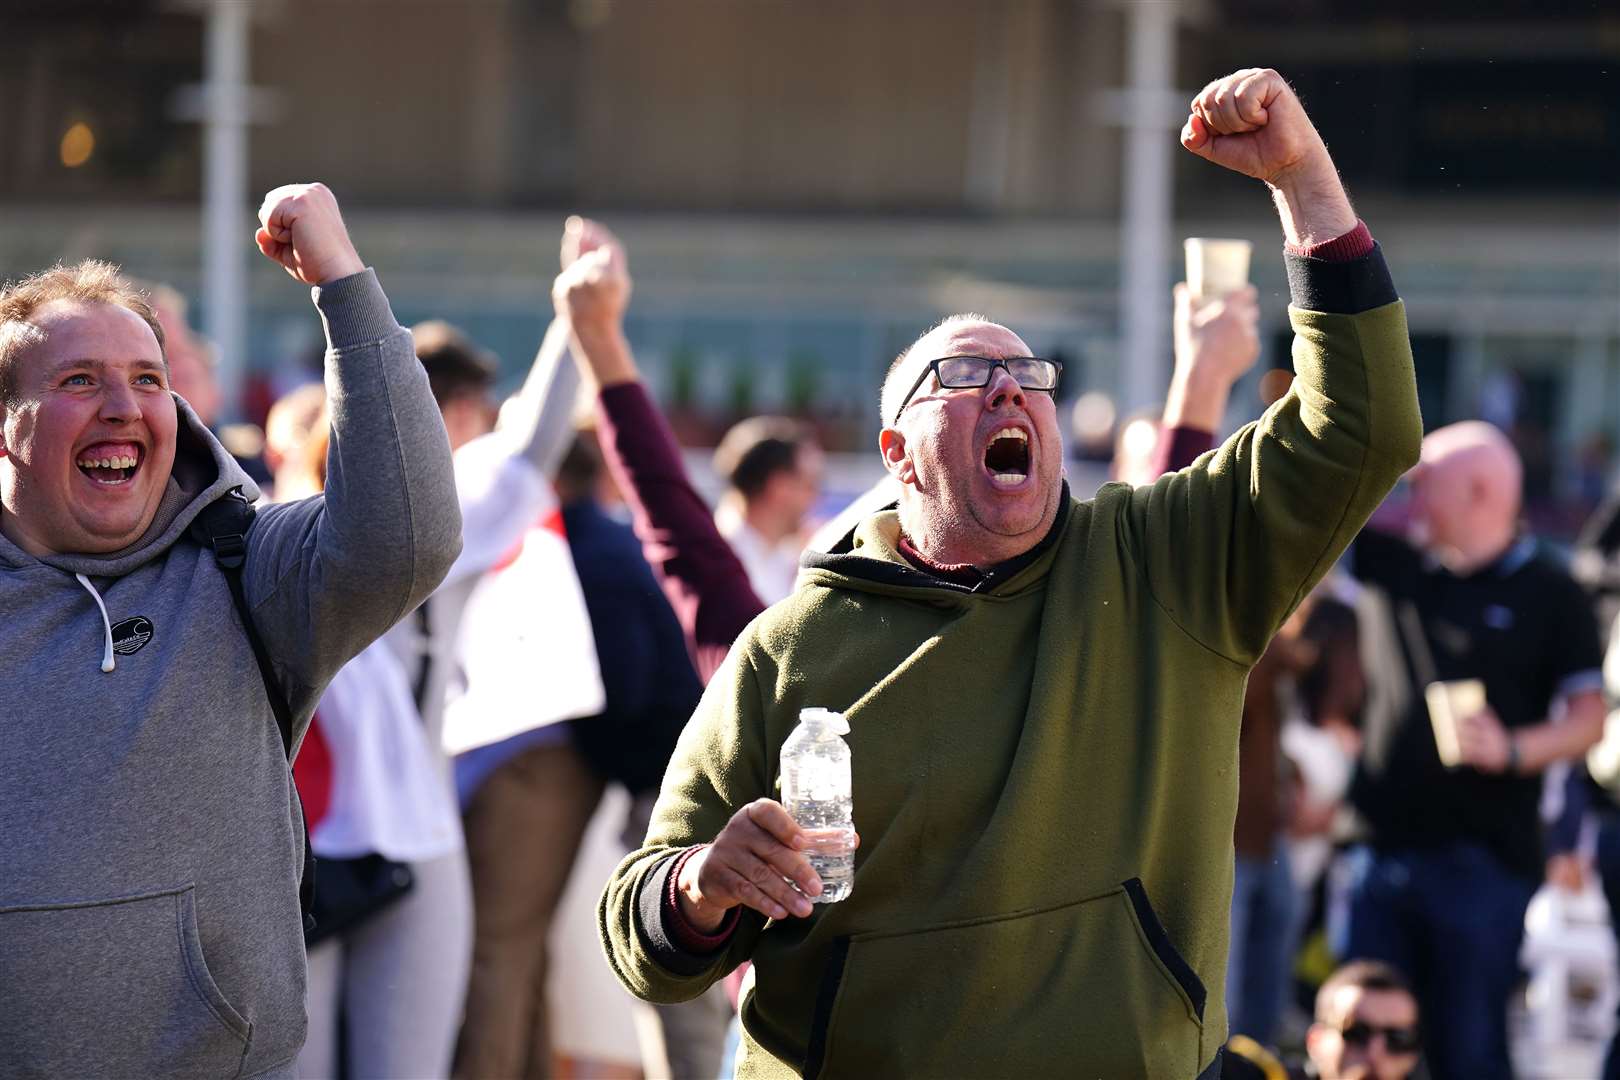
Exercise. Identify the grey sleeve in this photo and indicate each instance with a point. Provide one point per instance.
(539, 424)
(327, 576)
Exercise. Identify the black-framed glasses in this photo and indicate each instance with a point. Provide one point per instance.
(1398, 1040)
(969, 372)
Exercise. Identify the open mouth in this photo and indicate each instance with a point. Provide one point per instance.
(111, 464)
(1006, 459)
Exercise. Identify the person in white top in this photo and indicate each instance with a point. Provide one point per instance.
(394, 979)
(772, 469)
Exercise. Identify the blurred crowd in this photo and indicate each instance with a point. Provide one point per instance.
(1427, 827)
(1380, 889)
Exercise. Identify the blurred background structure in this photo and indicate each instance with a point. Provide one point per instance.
(803, 186)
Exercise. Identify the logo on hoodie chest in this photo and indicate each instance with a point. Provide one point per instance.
(131, 635)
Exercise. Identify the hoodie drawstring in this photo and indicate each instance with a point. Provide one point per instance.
(107, 663)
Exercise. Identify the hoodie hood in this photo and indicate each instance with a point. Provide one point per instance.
(204, 471)
(868, 559)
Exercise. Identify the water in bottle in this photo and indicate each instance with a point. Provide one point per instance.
(816, 790)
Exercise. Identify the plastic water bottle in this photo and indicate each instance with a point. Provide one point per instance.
(816, 790)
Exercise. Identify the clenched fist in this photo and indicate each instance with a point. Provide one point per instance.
(300, 228)
(593, 289)
(1252, 123)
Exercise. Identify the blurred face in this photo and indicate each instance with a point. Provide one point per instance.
(87, 445)
(1441, 511)
(466, 417)
(983, 466)
(191, 369)
(793, 492)
(1356, 1044)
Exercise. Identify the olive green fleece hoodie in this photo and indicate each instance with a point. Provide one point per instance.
(1045, 767)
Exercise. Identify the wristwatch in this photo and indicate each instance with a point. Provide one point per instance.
(1512, 766)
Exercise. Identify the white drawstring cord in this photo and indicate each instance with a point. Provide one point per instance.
(107, 663)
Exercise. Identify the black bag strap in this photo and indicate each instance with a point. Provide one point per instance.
(222, 527)
(424, 672)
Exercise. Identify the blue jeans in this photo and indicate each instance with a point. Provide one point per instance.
(1258, 967)
(1608, 868)
(1452, 920)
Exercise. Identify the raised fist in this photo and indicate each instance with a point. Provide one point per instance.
(593, 289)
(300, 228)
(1251, 122)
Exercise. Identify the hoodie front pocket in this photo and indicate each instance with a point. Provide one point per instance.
(1083, 988)
(114, 987)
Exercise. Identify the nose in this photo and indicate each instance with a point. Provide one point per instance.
(119, 403)
(1004, 391)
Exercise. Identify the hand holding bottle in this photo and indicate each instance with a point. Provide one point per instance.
(756, 861)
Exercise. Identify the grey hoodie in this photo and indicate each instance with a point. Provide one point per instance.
(150, 841)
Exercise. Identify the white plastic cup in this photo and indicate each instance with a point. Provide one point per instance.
(1216, 267)
(1449, 703)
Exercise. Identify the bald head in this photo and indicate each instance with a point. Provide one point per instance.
(980, 467)
(1466, 490)
(962, 334)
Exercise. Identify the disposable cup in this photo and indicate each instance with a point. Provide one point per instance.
(1449, 703)
(1215, 266)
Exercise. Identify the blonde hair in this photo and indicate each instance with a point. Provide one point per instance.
(91, 281)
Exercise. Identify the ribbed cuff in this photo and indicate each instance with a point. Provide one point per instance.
(681, 929)
(1352, 245)
(1340, 288)
(354, 310)
(674, 942)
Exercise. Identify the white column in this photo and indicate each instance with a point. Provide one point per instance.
(1147, 202)
(226, 210)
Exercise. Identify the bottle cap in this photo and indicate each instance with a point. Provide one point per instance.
(834, 720)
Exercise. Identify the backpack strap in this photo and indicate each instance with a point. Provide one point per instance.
(222, 527)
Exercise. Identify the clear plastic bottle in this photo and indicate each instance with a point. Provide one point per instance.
(816, 790)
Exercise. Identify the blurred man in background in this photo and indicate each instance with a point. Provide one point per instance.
(772, 469)
(1454, 846)
(1366, 1025)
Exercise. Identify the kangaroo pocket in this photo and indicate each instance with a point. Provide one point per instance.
(113, 988)
(1092, 987)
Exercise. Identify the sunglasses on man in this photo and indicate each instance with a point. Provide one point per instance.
(971, 372)
(1397, 1040)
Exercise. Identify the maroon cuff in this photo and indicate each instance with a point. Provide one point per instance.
(680, 928)
(1179, 447)
(1352, 245)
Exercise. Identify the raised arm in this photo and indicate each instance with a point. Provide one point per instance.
(706, 584)
(1217, 341)
(503, 479)
(328, 575)
(1231, 546)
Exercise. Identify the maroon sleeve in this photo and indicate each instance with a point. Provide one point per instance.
(703, 578)
(680, 929)
(1179, 447)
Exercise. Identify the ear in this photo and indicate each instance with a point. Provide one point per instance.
(896, 455)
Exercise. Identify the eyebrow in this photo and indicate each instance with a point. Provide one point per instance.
(141, 363)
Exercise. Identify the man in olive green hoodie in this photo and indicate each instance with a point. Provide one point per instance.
(1043, 697)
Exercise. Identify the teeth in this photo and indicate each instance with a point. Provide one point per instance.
(1007, 479)
(107, 463)
(1011, 433)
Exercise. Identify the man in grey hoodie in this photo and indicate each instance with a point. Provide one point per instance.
(151, 840)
